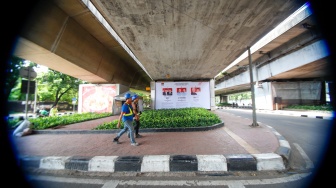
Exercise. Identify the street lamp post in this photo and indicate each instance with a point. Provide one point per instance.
(74, 100)
(254, 124)
(28, 73)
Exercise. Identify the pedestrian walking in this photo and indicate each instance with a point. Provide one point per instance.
(53, 110)
(126, 116)
(137, 113)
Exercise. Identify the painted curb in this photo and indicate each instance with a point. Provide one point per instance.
(312, 114)
(284, 149)
(300, 114)
(164, 163)
(157, 163)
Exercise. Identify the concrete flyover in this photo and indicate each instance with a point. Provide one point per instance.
(303, 56)
(297, 77)
(156, 40)
(65, 36)
(294, 71)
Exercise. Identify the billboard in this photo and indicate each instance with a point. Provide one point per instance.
(96, 98)
(182, 95)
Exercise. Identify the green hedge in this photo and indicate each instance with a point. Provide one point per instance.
(170, 118)
(311, 107)
(53, 121)
(164, 118)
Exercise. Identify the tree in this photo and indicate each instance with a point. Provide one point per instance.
(146, 100)
(16, 94)
(56, 85)
(13, 77)
(240, 96)
(52, 85)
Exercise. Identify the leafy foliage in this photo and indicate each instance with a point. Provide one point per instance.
(240, 96)
(172, 118)
(13, 78)
(16, 92)
(224, 104)
(311, 107)
(54, 86)
(164, 118)
(53, 121)
(109, 125)
(51, 86)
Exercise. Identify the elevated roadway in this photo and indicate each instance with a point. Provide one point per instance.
(303, 56)
(134, 43)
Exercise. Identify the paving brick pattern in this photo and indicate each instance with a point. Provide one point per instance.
(211, 142)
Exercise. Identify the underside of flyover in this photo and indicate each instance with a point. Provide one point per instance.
(296, 38)
(168, 40)
(315, 71)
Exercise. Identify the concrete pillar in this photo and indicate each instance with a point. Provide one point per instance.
(224, 98)
(304, 92)
(212, 95)
(152, 91)
(264, 96)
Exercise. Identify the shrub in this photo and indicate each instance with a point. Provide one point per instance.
(170, 118)
(311, 107)
(53, 121)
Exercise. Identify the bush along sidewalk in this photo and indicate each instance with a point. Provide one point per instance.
(163, 118)
(53, 121)
(171, 118)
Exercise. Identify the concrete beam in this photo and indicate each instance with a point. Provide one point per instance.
(305, 56)
(55, 39)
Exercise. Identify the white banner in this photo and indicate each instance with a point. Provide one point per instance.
(182, 95)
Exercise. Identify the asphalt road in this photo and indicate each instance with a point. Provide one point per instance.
(312, 141)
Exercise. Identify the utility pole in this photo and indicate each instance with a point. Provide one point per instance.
(74, 100)
(27, 94)
(28, 73)
(35, 97)
(254, 124)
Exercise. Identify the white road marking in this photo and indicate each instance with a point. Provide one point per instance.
(111, 184)
(309, 163)
(229, 183)
(236, 185)
(242, 142)
(67, 180)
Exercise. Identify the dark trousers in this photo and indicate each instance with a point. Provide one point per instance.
(136, 127)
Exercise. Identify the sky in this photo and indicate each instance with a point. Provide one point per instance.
(39, 68)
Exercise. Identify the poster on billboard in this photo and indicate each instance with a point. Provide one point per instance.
(182, 95)
(96, 98)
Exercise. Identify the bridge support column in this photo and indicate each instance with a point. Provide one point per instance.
(223, 98)
(212, 95)
(268, 94)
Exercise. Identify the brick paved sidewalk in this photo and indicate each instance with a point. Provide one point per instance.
(236, 137)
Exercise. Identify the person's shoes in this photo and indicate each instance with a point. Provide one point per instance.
(116, 140)
(138, 136)
(135, 144)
